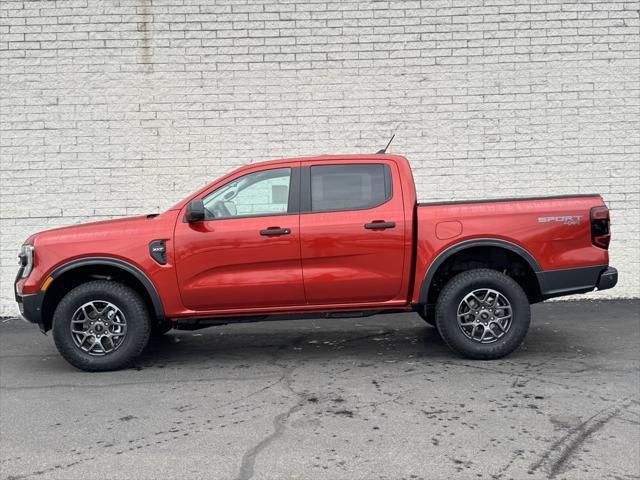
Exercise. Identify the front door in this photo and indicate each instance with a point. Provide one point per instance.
(353, 232)
(246, 253)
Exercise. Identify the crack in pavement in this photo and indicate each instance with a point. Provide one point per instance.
(247, 464)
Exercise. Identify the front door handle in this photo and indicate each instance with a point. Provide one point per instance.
(275, 231)
(379, 225)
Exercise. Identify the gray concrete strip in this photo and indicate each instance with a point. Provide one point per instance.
(374, 398)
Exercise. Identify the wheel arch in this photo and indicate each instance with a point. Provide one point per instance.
(479, 244)
(69, 275)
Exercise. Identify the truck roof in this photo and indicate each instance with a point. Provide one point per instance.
(333, 157)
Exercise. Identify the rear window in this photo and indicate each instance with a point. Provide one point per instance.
(349, 187)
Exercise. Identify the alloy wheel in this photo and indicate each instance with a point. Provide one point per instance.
(484, 315)
(98, 327)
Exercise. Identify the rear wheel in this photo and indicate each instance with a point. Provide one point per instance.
(483, 314)
(101, 325)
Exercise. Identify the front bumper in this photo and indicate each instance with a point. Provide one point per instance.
(30, 307)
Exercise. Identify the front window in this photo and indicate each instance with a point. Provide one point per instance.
(255, 194)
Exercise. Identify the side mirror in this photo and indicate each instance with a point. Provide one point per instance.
(195, 211)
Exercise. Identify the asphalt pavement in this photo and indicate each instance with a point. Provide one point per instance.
(373, 398)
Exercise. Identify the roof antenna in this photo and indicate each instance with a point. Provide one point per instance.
(384, 150)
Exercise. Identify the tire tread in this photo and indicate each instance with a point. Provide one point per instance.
(455, 339)
(73, 355)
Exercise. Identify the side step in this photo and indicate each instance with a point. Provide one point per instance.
(196, 323)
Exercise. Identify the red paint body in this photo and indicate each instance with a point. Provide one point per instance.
(328, 261)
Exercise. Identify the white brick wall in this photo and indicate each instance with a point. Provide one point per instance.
(115, 108)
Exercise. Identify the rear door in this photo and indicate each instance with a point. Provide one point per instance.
(246, 253)
(352, 231)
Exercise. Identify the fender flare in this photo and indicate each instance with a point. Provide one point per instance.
(156, 302)
(464, 245)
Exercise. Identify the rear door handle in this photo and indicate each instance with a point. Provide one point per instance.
(379, 225)
(275, 231)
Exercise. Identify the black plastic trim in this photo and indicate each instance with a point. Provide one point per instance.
(195, 211)
(30, 305)
(458, 247)
(568, 281)
(507, 199)
(608, 279)
(135, 271)
(379, 225)
(197, 323)
(269, 232)
(294, 192)
(31, 308)
(158, 251)
(305, 189)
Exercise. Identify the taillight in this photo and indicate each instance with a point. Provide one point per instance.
(600, 233)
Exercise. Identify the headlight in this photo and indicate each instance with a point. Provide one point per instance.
(27, 254)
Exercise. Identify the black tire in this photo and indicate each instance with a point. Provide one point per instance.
(138, 325)
(451, 298)
(428, 315)
(160, 327)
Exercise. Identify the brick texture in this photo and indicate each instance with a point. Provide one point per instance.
(113, 108)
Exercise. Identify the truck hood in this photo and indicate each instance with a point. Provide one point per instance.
(108, 230)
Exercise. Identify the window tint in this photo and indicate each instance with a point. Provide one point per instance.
(259, 193)
(349, 187)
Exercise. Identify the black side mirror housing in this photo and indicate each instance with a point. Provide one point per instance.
(195, 211)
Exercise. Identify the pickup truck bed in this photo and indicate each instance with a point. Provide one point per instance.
(551, 234)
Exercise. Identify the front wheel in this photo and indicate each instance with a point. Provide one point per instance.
(483, 314)
(101, 325)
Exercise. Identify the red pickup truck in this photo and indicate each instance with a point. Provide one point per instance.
(335, 236)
